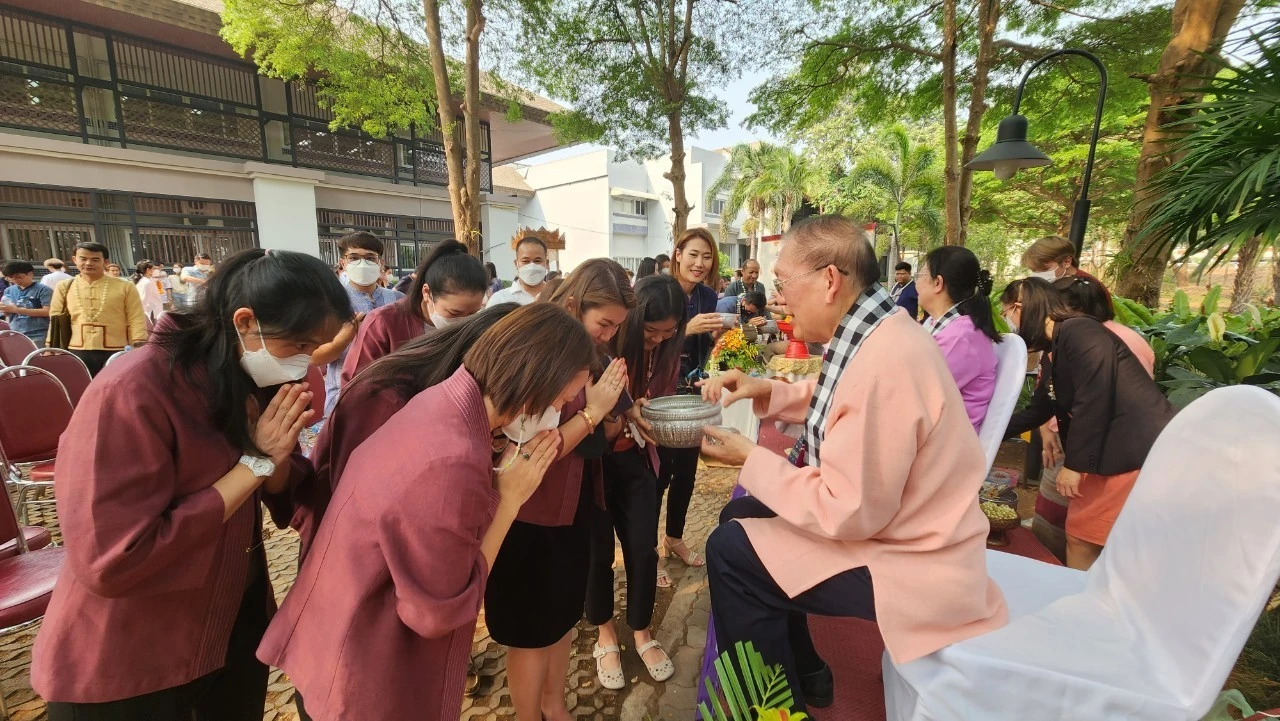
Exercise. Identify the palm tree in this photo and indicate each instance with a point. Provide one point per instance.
(788, 179)
(741, 178)
(1222, 196)
(907, 173)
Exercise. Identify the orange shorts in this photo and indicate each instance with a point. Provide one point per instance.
(1092, 514)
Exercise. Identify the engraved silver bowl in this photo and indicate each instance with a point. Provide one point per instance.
(678, 420)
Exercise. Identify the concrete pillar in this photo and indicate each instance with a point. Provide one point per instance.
(286, 208)
(500, 222)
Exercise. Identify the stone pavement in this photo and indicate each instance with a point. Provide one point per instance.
(680, 621)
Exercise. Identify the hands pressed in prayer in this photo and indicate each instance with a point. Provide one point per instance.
(725, 446)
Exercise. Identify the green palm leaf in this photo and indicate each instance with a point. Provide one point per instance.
(743, 686)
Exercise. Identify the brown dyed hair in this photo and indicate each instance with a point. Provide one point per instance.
(1049, 249)
(1040, 301)
(524, 361)
(697, 234)
(596, 283)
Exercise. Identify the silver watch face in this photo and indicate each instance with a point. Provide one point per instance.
(259, 466)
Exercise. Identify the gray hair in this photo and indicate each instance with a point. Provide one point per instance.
(823, 240)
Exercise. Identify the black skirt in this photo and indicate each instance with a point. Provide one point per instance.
(537, 589)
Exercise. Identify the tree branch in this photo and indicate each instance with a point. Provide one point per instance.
(857, 48)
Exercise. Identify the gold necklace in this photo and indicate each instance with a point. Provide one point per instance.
(91, 313)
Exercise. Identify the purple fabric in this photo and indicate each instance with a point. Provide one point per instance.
(712, 649)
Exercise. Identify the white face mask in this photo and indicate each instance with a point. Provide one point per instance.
(267, 370)
(1013, 327)
(666, 271)
(157, 274)
(525, 427)
(440, 322)
(1049, 275)
(203, 267)
(363, 272)
(532, 273)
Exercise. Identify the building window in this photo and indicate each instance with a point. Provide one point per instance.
(717, 207)
(641, 207)
(38, 222)
(406, 239)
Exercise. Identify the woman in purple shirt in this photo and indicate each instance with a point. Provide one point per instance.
(953, 290)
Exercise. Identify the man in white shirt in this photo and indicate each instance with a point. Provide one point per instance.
(195, 276)
(56, 274)
(531, 274)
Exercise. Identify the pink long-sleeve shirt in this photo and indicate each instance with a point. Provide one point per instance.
(379, 622)
(896, 491)
(971, 357)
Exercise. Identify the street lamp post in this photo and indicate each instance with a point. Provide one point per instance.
(1011, 151)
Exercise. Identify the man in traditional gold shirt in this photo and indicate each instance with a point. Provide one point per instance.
(106, 313)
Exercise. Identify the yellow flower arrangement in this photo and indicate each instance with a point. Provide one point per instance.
(733, 350)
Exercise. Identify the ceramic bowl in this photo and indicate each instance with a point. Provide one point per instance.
(678, 420)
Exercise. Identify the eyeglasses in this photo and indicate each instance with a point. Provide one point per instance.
(778, 283)
(352, 257)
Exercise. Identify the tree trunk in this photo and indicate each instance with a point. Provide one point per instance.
(895, 247)
(988, 20)
(1199, 27)
(470, 234)
(680, 219)
(951, 173)
(1246, 272)
(444, 107)
(1275, 277)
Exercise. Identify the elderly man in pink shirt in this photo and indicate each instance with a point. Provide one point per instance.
(881, 490)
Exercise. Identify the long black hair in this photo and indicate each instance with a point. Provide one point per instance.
(1087, 296)
(292, 295)
(658, 298)
(447, 269)
(142, 269)
(968, 284)
(648, 267)
(430, 359)
(1040, 302)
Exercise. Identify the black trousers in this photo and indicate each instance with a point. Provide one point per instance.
(629, 489)
(235, 692)
(748, 605)
(94, 360)
(677, 469)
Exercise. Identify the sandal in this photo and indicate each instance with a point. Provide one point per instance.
(676, 547)
(664, 578)
(473, 679)
(613, 680)
(662, 670)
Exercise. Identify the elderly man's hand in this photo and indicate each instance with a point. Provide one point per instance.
(732, 386)
(725, 446)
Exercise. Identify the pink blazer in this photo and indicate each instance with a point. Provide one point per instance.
(897, 492)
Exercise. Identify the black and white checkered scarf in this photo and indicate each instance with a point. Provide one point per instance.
(935, 326)
(871, 307)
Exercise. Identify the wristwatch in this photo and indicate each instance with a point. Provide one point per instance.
(260, 467)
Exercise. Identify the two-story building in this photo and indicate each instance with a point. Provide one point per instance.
(623, 210)
(131, 123)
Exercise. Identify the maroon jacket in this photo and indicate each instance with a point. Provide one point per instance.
(153, 577)
(360, 412)
(382, 331)
(555, 502)
(379, 622)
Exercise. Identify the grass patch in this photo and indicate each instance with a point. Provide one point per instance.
(1257, 672)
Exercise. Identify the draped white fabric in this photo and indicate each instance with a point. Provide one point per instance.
(1153, 629)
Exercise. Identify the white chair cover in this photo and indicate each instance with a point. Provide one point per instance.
(1161, 617)
(1011, 372)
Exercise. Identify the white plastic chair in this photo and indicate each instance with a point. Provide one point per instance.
(1154, 627)
(1011, 373)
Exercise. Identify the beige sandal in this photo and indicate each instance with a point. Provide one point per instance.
(662, 670)
(613, 680)
(664, 578)
(674, 546)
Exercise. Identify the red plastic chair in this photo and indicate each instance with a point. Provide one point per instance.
(34, 411)
(68, 368)
(26, 584)
(14, 347)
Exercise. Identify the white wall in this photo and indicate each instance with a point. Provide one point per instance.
(500, 220)
(580, 211)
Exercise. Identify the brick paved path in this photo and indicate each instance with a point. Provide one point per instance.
(680, 625)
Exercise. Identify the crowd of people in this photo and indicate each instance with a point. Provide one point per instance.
(483, 446)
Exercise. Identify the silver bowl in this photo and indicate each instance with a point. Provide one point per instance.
(678, 420)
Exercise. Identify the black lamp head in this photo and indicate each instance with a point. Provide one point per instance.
(1011, 150)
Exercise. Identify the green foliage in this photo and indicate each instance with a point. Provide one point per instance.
(1225, 188)
(725, 267)
(629, 68)
(905, 173)
(370, 72)
(1257, 672)
(1199, 351)
(741, 180)
(745, 688)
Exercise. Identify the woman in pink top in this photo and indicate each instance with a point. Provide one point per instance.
(953, 290)
(380, 621)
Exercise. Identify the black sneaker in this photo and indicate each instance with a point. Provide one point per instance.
(818, 688)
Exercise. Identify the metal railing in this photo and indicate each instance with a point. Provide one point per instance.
(114, 89)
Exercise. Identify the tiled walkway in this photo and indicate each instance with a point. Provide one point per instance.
(680, 620)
